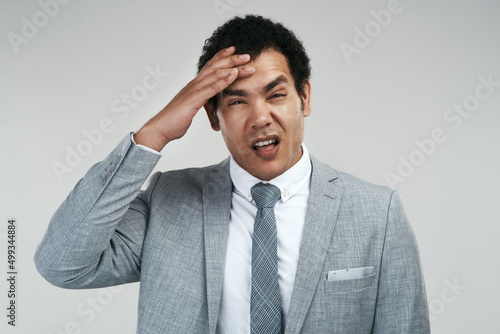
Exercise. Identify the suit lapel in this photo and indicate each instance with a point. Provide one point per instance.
(324, 203)
(217, 191)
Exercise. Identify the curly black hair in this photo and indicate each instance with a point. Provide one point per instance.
(254, 34)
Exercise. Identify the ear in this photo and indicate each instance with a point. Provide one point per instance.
(305, 95)
(211, 110)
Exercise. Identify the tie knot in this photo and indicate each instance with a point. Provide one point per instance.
(265, 195)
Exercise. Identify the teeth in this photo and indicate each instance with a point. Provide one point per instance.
(265, 142)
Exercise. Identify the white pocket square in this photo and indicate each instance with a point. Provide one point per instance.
(346, 274)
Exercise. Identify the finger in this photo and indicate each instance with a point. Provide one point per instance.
(216, 75)
(224, 59)
(245, 71)
(232, 60)
(218, 70)
(215, 87)
(223, 78)
(223, 53)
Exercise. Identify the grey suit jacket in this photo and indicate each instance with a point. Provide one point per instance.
(172, 237)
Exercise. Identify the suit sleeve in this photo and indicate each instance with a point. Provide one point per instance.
(95, 237)
(401, 301)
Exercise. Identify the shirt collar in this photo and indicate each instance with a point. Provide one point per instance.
(289, 183)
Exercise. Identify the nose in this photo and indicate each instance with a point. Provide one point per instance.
(260, 115)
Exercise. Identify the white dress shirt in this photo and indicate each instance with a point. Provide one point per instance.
(290, 211)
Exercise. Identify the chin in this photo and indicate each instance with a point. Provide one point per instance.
(267, 174)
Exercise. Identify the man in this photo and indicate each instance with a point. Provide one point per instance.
(335, 255)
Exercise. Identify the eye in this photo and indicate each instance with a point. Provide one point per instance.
(234, 103)
(274, 96)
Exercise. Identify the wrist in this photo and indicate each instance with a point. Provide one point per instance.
(147, 136)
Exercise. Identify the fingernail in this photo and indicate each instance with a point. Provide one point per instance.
(229, 49)
(244, 56)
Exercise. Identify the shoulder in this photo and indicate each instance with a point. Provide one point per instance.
(354, 189)
(188, 180)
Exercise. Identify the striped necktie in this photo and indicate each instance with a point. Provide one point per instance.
(265, 300)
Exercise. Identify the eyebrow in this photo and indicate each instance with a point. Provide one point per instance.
(279, 80)
(240, 92)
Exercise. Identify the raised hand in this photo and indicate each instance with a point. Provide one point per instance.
(173, 121)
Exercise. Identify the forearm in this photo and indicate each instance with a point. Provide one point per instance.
(81, 247)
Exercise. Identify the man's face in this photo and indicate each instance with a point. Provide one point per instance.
(261, 117)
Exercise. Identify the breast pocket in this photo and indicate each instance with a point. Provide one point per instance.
(349, 279)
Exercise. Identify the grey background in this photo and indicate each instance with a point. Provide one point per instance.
(368, 111)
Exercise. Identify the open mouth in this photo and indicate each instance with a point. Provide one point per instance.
(264, 144)
(266, 147)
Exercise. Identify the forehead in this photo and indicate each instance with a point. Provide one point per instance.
(270, 59)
